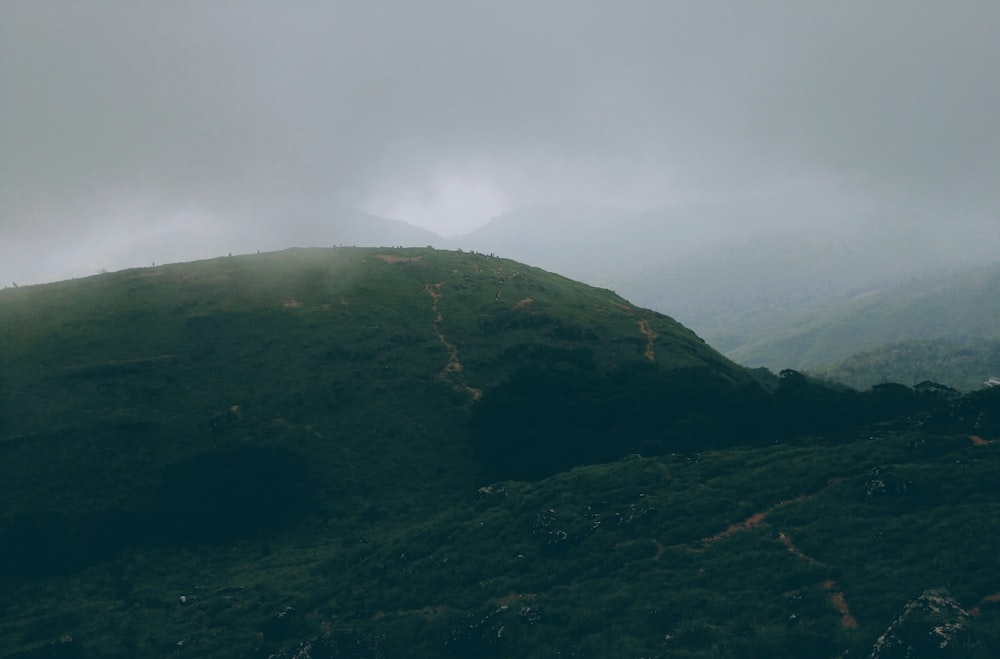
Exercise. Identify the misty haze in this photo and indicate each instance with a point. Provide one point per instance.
(458, 329)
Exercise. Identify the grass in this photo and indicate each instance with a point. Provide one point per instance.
(962, 364)
(229, 457)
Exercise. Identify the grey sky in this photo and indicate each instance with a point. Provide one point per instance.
(124, 121)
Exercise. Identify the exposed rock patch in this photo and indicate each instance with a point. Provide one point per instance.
(932, 625)
(346, 644)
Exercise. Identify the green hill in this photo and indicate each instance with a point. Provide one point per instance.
(323, 346)
(418, 453)
(963, 364)
(957, 307)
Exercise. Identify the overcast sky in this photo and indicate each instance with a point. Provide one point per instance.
(126, 122)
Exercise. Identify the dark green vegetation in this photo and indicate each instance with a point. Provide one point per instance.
(377, 451)
(962, 364)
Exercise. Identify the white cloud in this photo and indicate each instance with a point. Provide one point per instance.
(451, 204)
(230, 107)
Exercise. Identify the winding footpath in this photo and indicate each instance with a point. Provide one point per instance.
(452, 370)
(650, 335)
(835, 597)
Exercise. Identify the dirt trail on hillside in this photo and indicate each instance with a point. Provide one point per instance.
(752, 521)
(847, 621)
(787, 541)
(644, 329)
(452, 370)
(836, 597)
(650, 335)
(748, 523)
(513, 598)
(660, 549)
(977, 609)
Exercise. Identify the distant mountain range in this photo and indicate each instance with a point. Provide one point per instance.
(956, 306)
(964, 364)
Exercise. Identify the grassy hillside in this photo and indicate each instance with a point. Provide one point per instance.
(961, 364)
(377, 453)
(958, 307)
(339, 353)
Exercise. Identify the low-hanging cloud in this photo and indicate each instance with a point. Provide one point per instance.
(120, 115)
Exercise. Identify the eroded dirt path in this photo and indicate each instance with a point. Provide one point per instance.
(513, 598)
(660, 549)
(787, 541)
(752, 521)
(847, 621)
(452, 370)
(650, 335)
(836, 597)
(644, 329)
(977, 609)
(748, 523)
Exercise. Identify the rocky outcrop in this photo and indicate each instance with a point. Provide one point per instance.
(343, 644)
(932, 625)
(880, 483)
(481, 634)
